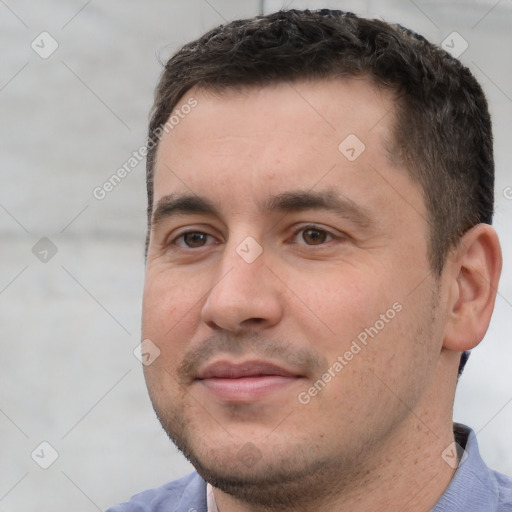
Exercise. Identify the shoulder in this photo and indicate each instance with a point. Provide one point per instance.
(475, 486)
(495, 488)
(186, 493)
(503, 491)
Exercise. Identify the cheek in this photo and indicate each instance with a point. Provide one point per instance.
(337, 305)
(168, 304)
(366, 318)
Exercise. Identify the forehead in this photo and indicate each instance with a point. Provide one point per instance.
(286, 135)
(325, 109)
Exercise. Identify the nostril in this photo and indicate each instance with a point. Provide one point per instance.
(252, 322)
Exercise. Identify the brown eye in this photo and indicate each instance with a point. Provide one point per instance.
(314, 236)
(194, 239)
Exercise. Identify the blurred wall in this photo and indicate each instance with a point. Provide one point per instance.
(76, 84)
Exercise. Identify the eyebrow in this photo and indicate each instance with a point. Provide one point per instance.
(287, 202)
(171, 205)
(298, 201)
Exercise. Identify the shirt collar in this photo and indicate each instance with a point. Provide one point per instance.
(474, 486)
(210, 499)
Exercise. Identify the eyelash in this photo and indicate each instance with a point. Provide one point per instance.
(302, 229)
(183, 235)
(314, 227)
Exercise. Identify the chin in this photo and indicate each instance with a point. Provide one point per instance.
(254, 473)
(274, 484)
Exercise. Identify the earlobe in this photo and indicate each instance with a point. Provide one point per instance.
(473, 271)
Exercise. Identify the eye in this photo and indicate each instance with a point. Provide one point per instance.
(312, 235)
(193, 240)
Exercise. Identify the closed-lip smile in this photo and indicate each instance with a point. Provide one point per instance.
(246, 381)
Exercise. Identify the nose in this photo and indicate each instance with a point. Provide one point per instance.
(245, 296)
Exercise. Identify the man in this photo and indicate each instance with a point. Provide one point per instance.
(319, 257)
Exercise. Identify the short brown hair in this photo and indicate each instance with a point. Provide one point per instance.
(442, 130)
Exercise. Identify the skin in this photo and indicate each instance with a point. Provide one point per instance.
(372, 437)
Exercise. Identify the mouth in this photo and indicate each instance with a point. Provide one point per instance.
(245, 382)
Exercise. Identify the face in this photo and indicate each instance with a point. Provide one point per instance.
(288, 288)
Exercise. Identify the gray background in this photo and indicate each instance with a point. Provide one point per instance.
(69, 325)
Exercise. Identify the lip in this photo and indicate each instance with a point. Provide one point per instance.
(229, 370)
(246, 381)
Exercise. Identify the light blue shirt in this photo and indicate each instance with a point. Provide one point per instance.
(474, 488)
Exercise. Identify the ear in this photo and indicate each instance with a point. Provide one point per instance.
(473, 271)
